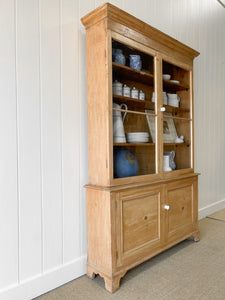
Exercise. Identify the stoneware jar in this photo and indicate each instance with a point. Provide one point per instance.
(119, 57)
(141, 95)
(117, 88)
(126, 91)
(134, 93)
(135, 62)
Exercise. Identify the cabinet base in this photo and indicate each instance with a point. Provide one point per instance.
(195, 236)
(112, 281)
(112, 284)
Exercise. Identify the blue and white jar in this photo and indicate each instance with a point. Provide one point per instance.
(119, 57)
(135, 62)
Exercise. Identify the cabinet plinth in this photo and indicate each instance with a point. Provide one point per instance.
(137, 109)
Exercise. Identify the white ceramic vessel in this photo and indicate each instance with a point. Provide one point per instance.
(166, 163)
(117, 88)
(166, 76)
(141, 95)
(134, 93)
(126, 91)
(118, 129)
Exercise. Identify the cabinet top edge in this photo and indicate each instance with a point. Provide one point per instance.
(139, 184)
(112, 13)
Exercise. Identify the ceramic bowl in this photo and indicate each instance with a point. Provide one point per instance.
(166, 76)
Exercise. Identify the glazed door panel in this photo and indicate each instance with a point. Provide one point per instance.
(139, 222)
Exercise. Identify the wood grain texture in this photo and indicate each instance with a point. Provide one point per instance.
(98, 95)
(129, 224)
(139, 222)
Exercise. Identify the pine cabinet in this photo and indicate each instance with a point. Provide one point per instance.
(142, 194)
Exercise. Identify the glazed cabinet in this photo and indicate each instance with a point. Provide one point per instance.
(142, 194)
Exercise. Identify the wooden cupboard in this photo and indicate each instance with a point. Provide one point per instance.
(132, 218)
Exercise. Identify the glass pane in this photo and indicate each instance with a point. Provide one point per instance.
(133, 84)
(177, 121)
(179, 152)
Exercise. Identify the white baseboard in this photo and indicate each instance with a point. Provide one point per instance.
(43, 283)
(210, 209)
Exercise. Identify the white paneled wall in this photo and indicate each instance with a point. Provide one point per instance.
(43, 129)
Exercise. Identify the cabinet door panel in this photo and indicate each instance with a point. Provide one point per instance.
(139, 222)
(180, 216)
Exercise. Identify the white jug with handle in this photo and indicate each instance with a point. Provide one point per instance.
(118, 129)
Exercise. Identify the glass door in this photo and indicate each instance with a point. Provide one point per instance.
(177, 118)
(133, 112)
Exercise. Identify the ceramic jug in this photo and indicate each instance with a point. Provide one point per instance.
(166, 163)
(171, 156)
(118, 129)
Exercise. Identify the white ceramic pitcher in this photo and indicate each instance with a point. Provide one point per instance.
(118, 129)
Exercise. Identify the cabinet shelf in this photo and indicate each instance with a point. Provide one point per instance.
(134, 144)
(150, 144)
(177, 144)
(136, 104)
(146, 78)
(132, 74)
(173, 87)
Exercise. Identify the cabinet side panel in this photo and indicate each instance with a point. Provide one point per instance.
(99, 230)
(97, 97)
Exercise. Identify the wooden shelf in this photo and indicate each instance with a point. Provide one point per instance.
(146, 78)
(141, 105)
(134, 144)
(177, 144)
(134, 104)
(132, 74)
(173, 87)
(151, 144)
(175, 110)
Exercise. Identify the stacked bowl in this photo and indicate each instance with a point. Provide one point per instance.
(137, 137)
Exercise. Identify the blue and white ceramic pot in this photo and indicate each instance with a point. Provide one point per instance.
(119, 57)
(135, 62)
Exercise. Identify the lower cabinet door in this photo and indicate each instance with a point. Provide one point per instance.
(138, 223)
(181, 209)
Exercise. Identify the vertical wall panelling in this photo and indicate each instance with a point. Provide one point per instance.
(51, 133)
(84, 7)
(29, 162)
(8, 149)
(43, 129)
(70, 103)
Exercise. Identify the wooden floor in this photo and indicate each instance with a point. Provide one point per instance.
(189, 270)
